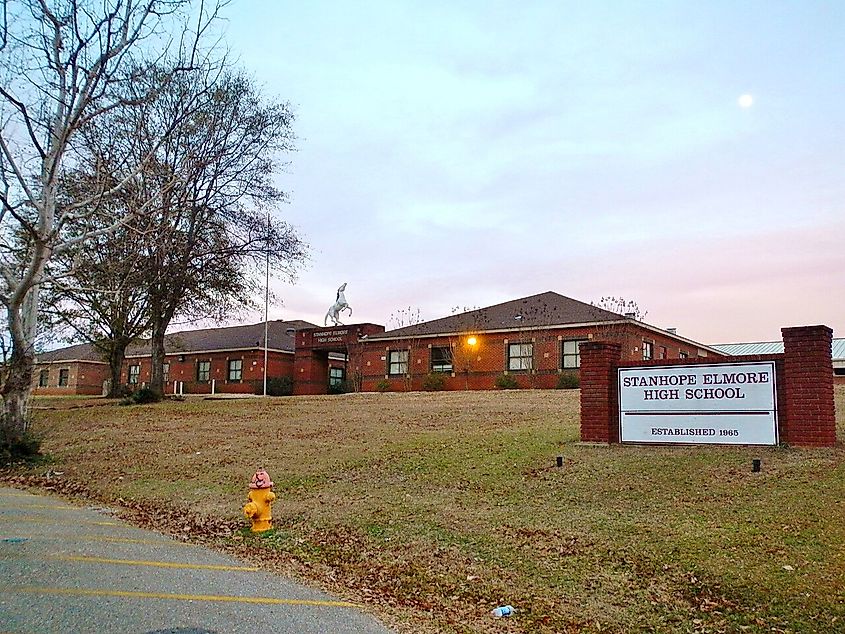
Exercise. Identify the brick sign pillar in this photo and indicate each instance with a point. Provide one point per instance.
(808, 376)
(599, 401)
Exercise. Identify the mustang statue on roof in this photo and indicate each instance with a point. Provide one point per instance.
(338, 307)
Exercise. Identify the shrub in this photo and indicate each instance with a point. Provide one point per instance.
(434, 382)
(569, 381)
(280, 386)
(141, 397)
(24, 449)
(506, 382)
(383, 385)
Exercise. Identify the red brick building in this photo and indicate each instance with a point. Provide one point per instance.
(219, 360)
(534, 340)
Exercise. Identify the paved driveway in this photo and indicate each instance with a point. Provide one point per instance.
(70, 569)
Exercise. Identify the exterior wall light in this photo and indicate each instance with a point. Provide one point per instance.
(472, 341)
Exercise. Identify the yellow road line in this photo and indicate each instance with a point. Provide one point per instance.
(51, 522)
(153, 564)
(56, 507)
(176, 597)
(103, 538)
(124, 540)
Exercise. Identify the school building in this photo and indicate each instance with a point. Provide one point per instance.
(531, 342)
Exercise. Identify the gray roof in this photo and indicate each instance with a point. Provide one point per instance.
(546, 309)
(772, 347)
(205, 340)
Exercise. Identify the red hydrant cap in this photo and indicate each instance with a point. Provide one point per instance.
(261, 480)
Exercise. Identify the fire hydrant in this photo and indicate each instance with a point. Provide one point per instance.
(260, 499)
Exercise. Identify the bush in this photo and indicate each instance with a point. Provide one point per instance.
(383, 385)
(434, 382)
(141, 397)
(507, 382)
(25, 449)
(569, 381)
(281, 386)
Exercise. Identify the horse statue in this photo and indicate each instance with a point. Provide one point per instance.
(337, 308)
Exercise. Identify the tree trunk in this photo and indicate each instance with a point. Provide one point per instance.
(116, 355)
(17, 386)
(157, 355)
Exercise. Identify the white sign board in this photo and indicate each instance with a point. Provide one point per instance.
(714, 403)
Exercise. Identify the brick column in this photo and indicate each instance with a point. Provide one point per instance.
(810, 417)
(599, 409)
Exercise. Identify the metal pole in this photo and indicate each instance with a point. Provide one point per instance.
(266, 300)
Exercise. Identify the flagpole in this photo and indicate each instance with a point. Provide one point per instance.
(266, 300)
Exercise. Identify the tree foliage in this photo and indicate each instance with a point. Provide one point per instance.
(64, 65)
(201, 205)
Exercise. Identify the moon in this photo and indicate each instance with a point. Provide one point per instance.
(745, 101)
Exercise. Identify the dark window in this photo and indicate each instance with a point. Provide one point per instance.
(397, 362)
(336, 376)
(839, 371)
(64, 377)
(662, 353)
(235, 369)
(441, 359)
(683, 355)
(570, 354)
(520, 357)
(648, 350)
(134, 374)
(203, 371)
(44, 378)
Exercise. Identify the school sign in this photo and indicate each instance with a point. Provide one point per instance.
(713, 403)
(761, 399)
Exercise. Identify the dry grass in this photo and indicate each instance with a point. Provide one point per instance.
(434, 508)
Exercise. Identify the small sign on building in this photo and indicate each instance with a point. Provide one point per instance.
(699, 404)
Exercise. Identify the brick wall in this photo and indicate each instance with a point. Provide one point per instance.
(808, 374)
(476, 367)
(804, 381)
(183, 368)
(84, 378)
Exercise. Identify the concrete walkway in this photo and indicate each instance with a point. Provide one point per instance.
(66, 569)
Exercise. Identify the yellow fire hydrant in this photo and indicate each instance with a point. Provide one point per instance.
(260, 499)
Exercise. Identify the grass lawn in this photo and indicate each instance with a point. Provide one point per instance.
(433, 508)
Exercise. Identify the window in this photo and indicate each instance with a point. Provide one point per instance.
(165, 371)
(839, 371)
(64, 376)
(662, 353)
(570, 354)
(441, 359)
(336, 377)
(236, 367)
(683, 355)
(398, 362)
(520, 357)
(648, 350)
(44, 378)
(134, 374)
(203, 371)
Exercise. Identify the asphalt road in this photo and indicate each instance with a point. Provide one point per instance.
(65, 569)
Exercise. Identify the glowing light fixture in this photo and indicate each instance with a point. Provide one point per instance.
(472, 341)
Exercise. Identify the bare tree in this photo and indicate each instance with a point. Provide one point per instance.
(204, 195)
(62, 66)
(619, 330)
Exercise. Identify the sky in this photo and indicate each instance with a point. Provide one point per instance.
(462, 154)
